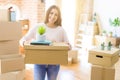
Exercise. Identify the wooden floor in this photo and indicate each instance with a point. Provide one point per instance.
(78, 71)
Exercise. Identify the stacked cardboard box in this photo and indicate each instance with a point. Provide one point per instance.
(11, 62)
(4, 15)
(7, 15)
(15, 75)
(102, 73)
(73, 55)
(103, 63)
(10, 31)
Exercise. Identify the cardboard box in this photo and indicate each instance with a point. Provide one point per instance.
(9, 63)
(15, 75)
(9, 47)
(4, 15)
(10, 31)
(57, 53)
(73, 54)
(103, 57)
(102, 73)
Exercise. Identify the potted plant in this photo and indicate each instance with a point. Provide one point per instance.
(109, 45)
(103, 46)
(104, 33)
(40, 36)
(110, 34)
(115, 23)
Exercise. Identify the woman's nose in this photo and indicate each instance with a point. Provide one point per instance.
(53, 16)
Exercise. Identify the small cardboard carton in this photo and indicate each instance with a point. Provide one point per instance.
(9, 63)
(4, 15)
(15, 75)
(103, 57)
(57, 53)
(10, 31)
(9, 47)
(73, 54)
(102, 73)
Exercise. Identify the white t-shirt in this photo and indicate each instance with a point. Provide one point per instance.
(56, 34)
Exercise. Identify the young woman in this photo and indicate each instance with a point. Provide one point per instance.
(54, 32)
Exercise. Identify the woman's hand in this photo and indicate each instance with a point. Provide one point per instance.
(21, 43)
(70, 47)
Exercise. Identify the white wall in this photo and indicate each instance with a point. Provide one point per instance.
(48, 3)
(107, 9)
(68, 18)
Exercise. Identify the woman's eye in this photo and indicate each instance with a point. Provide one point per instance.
(51, 13)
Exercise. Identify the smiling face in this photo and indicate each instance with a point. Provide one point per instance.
(53, 16)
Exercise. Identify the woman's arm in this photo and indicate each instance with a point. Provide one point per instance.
(65, 39)
(29, 35)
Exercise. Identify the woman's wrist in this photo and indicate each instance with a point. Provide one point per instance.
(69, 46)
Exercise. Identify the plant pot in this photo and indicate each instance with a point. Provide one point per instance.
(40, 37)
(102, 47)
(109, 48)
(110, 34)
(116, 31)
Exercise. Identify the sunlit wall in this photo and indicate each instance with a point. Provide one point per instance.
(107, 9)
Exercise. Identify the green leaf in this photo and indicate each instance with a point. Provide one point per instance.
(115, 22)
(41, 30)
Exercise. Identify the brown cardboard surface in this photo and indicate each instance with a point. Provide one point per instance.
(4, 15)
(109, 53)
(14, 75)
(53, 54)
(103, 57)
(96, 73)
(109, 73)
(10, 31)
(9, 47)
(102, 73)
(53, 46)
(12, 62)
(73, 54)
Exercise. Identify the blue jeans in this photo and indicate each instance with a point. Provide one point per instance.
(40, 72)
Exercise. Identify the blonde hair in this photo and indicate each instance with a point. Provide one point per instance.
(58, 22)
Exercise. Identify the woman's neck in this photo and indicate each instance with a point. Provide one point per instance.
(51, 25)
